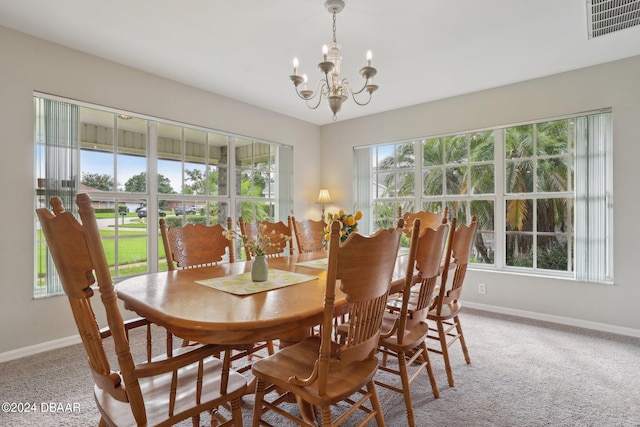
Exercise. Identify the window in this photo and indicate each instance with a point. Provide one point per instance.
(541, 192)
(202, 176)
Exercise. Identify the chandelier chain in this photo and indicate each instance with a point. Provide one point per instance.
(334, 26)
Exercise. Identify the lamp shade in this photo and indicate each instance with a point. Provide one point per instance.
(323, 196)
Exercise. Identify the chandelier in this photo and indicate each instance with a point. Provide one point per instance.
(332, 86)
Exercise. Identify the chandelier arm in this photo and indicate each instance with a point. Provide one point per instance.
(302, 97)
(366, 83)
(346, 85)
(313, 107)
(310, 94)
(318, 92)
(361, 103)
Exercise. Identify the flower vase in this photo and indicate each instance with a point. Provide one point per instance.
(259, 268)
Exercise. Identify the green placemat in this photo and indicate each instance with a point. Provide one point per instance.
(321, 263)
(241, 284)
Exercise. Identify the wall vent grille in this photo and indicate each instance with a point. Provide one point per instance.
(608, 16)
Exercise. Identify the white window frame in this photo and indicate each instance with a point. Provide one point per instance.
(280, 196)
(600, 249)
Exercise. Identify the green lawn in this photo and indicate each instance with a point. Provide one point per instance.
(132, 251)
(102, 215)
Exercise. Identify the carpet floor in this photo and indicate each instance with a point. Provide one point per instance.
(523, 373)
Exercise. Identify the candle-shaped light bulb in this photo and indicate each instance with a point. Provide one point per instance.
(369, 57)
(325, 51)
(295, 66)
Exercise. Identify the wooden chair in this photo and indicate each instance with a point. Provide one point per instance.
(275, 230)
(196, 245)
(167, 390)
(407, 328)
(427, 219)
(446, 307)
(320, 372)
(309, 235)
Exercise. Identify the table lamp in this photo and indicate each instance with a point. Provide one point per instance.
(323, 198)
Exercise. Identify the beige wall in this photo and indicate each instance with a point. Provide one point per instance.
(28, 64)
(612, 85)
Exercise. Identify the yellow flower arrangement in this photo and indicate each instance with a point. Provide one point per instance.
(348, 224)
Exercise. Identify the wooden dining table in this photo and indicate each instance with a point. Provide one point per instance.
(190, 310)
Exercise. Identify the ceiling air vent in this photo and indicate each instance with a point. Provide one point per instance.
(608, 16)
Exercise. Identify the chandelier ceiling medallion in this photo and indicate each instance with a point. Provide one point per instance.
(331, 86)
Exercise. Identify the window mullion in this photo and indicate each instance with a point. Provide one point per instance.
(418, 162)
(500, 203)
(152, 196)
(231, 177)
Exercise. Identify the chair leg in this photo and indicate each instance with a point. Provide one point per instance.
(226, 368)
(236, 412)
(375, 403)
(326, 416)
(385, 358)
(432, 378)
(462, 342)
(257, 405)
(406, 388)
(445, 352)
(308, 413)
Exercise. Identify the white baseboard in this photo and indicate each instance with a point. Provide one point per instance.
(603, 327)
(39, 348)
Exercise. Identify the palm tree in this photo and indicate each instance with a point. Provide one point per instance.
(549, 175)
(464, 165)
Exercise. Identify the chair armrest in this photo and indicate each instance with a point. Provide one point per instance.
(186, 356)
(396, 320)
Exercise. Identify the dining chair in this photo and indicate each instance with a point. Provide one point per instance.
(405, 330)
(309, 234)
(427, 219)
(196, 246)
(275, 230)
(446, 308)
(320, 372)
(165, 391)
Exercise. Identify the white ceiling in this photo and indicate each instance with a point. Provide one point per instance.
(424, 50)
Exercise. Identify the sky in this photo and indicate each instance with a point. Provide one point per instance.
(128, 166)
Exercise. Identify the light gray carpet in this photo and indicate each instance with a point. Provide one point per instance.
(523, 373)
